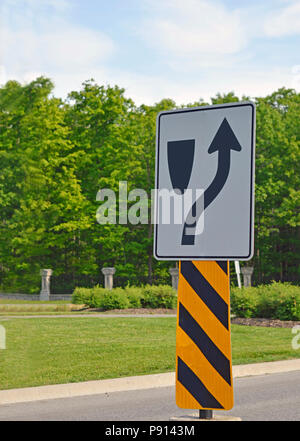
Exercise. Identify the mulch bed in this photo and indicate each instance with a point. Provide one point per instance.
(133, 311)
(270, 323)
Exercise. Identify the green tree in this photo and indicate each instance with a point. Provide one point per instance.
(277, 186)
(118, 141)
(43, 209)
(56, 155)
(99, 118)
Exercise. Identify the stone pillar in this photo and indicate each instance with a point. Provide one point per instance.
(174, 274)
(247, 272)
(108, 277)
(45, 291)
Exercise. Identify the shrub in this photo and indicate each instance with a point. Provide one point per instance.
(162, 296)
(135, 296)
(130, 297)
(243, 302)
(109, 299)
(81, 296)
(113, 299)
(280, 300)
(276, 301)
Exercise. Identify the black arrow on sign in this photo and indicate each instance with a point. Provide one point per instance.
(223, 142)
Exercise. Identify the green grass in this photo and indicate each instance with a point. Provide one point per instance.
(43, 313)
(57, 350)
(36, 307)
(32, 302)
(254, 344)
(40, 312)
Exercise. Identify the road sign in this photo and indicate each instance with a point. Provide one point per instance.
(204, 205)
(203, 347)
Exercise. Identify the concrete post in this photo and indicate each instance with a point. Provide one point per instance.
(238, 272)
(108, 277)
(247, 272)
(174, 274)
(45, 291)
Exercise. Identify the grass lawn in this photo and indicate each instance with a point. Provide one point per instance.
(46, 311)
(33, 302)
(56, 350)
(23, 308)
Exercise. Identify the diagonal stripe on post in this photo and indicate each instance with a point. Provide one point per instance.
(203, 346)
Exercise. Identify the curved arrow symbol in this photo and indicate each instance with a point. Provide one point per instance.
(223, 142)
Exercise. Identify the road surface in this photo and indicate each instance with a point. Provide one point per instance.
(274, 397)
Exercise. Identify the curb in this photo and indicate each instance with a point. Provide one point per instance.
(131, 383)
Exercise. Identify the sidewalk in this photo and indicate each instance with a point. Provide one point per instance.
(131, 383)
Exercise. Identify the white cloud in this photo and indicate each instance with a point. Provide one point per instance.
(199, 31)
(148, 89)
(193, 36)
(34, 40)
(59, 5)
(285, 21)
(3, 77)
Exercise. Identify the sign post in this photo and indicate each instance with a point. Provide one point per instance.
(204, 210)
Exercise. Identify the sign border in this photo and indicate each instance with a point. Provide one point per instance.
(252, 174)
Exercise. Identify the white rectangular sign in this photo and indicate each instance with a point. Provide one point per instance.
(204, 205)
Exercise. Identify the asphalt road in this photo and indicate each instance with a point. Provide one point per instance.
(273, 397)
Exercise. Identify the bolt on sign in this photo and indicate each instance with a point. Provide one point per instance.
(204, 217)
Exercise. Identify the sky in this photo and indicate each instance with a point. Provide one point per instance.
(155, 49)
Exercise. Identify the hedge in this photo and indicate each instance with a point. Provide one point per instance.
(275, 301)
(162, 296)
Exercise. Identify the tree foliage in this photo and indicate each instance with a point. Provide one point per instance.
(55, 155)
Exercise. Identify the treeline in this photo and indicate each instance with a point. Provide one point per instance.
(55, 155)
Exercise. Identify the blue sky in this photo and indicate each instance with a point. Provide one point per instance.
(181, 49)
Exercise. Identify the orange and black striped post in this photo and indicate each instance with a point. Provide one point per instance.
(203, 343)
